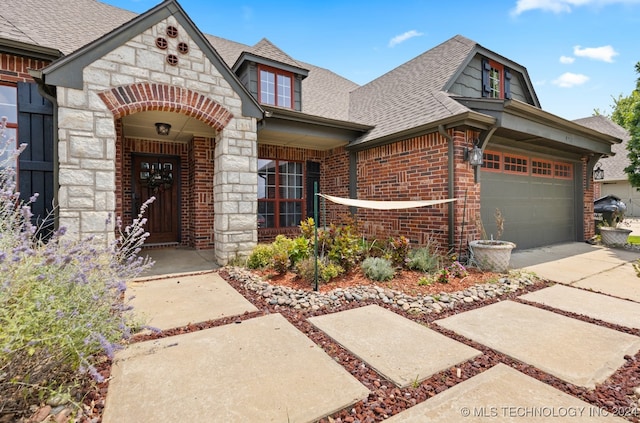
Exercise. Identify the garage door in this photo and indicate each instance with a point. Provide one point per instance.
(536, 197)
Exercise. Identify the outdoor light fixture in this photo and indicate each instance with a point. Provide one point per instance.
(473, 155)
(598, 172)
(163, 128)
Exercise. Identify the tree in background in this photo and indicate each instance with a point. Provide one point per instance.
(627, 114)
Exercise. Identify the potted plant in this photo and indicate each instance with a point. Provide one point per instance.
(612, 235)
(491, 254)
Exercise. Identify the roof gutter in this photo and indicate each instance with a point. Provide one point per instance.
(291, 115)
(472, 119)
(29, 50)
(450, 183)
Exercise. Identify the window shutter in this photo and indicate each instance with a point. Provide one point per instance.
(507, 83)
(35, 164)
(313, 175)
(486, 85)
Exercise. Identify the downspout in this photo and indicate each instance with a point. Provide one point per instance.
(45, 91)
(450, 183)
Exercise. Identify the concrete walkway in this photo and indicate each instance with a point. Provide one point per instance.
(265, 370)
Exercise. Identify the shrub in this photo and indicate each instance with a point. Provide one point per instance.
(280, 261)
(61, 302)
(326, 270)
(300, 249)
(260, 257)
(377, 269)
(423, 259)
(397, 249)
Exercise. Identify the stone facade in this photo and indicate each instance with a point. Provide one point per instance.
(137, 77)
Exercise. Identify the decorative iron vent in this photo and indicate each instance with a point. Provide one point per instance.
(162, 43)
(183, 47)
(172, 31)
(172, 59)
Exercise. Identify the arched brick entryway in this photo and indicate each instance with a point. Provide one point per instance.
(142, 97)
(196, 158)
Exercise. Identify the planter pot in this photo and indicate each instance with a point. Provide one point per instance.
(614, 237)
(491, 255)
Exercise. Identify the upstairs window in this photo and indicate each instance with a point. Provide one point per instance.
(276, 87)
(496, 80)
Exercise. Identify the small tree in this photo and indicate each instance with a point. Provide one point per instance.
(629, 117)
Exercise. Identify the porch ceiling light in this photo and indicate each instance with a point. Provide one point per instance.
(598, 172)
(163, 128)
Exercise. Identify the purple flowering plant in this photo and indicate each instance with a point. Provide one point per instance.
(62, 301)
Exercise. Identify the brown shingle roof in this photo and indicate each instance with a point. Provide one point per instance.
(613, 166)
(411, 95)
(60, 24)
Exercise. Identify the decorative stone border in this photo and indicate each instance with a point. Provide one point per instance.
(310, 300)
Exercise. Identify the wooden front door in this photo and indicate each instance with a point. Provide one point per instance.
(158, 176)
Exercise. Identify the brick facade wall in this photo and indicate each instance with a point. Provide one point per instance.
(417, 169)
(14, 69)
(589, 222)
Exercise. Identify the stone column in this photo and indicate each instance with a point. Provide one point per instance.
(236, 190)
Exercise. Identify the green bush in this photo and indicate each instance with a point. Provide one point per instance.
(261, 257)
(397, 250)
(326, 269)
(423, 259)
(378, 269)
(61, 302)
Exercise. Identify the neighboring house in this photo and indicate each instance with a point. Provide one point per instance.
(230, 139)
(615, 180)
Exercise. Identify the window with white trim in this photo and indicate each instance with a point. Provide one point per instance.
(276, 87)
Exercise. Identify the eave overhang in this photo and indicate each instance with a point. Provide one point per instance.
(530, 125)
(469, 119)
(250, 57)
(296, 129)
(28, 50)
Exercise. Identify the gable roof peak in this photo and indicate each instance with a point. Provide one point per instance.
(266, 49)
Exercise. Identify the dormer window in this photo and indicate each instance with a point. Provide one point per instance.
(496, 80)
(276, 87)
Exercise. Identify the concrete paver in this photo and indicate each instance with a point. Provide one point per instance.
(400, 349)
(261, 370)
(577, 352)
(182, 299)
(608, 309)
(571, 262)
(620, 282)
(502, 394)
(171, 261)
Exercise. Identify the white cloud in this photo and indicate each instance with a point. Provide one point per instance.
(562, 6)
(604, 53)
(566, 60)
(568, 80)
(404, 37)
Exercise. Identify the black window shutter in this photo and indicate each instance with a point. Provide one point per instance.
(35, 164)
(313, 175)
(486, 84)
(507, 83)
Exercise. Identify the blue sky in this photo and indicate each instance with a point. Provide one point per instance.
(579, 53)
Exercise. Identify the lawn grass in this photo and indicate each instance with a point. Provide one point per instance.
(634, 239)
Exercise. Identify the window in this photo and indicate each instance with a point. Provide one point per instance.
(496, 80)
(491, 161)
(515, 164)
(280, 193)
(541, 168)
(276, 88)
(563, 170)
(9, 110)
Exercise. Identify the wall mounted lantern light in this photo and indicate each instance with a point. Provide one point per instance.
(163, 128)
(598, 172)
(473, 155)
